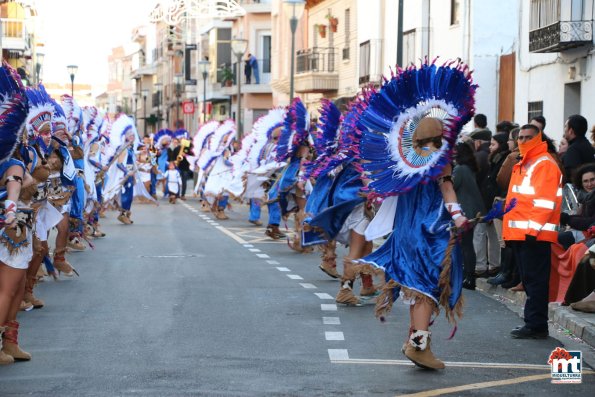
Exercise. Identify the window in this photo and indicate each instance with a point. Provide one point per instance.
(266, 54)
(364, 62)
(409, 48)
(347, 25)
(455, 12)
(535, 109)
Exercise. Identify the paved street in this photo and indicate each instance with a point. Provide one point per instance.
(180, 304)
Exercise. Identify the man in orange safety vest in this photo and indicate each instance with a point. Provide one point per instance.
(532, 225)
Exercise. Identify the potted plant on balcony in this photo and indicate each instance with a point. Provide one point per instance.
(227, 77)
(322, 30)
(333, 22)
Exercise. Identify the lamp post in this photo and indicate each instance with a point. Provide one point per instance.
(178, 82)
(295, 9)
(158, 87)
(239, 47)
(38, 65)
(72, 69)
(136, 95)
(204, 69)
(145, 93)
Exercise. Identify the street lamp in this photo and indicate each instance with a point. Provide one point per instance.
(145, 93)
(158, 87)
(295, 9)
(72, 69)
(204, 69)
(136, 96)
(178, 82)
(38, 64)
(239, 47)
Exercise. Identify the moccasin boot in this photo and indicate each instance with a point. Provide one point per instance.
(62, 265)
(29, 297)
(10, 343)
(4, 358)
(368, 288)
(76, 244)
(329, 259)
(418, 350)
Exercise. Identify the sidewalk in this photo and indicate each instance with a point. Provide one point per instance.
(575, 324)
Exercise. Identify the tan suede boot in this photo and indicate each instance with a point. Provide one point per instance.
(4, 358)
(346, 295)
(11, 344)
(62, 265)
(274, 232)
(329, 259)
(29, 297)
(418, 350)
(368, 288)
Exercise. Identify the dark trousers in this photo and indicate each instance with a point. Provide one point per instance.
(534, 263)
(185, 175)
(469, 257)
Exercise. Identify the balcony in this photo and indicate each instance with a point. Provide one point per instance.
(316, 70)
(256, 6)
(262, 86)
(13, 34)
(561, 36)
(559, 25)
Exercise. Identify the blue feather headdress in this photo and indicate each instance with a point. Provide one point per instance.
(263, 130)
(325, 137)
(39, 117)
(13, 110)
(59, 123)
(389, 123)
(295, 130)
(162, 138)
(74, 115)
(181, 134)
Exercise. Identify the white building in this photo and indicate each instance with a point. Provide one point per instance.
(555, 62)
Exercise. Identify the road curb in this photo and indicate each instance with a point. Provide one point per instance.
(580, 325)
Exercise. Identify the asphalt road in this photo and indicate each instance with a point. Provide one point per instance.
(180, 305)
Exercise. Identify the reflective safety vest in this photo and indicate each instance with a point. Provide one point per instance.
(536, 184)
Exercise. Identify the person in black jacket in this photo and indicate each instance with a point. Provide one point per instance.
(579, 150)
(585, 216)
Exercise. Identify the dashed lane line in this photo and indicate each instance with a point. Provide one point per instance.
(332, 335)
(295, 277)
(308, 286)
(328, 307)
(263, 256)
(273, 262)
(323, 295)
(283, 269)
(331, 321)
(338, 354)
(254, 250)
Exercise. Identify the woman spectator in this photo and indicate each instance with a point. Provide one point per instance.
(585, 217)
(562, 147)
(467, 191)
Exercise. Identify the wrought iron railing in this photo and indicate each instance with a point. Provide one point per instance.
(560, 36)
(316, 59)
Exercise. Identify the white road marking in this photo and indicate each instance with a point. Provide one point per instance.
(232, 235)
(294, 277)
(460, 364)
(331, 321)
(254, 250)
(328, 307)
(338, 354)
(248, 245)
(283, 269)
(273, 263)
(262, 256)
(214, 224)
(308, 285)
(323, 295)
(334, 335)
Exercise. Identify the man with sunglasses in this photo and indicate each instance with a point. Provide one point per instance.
(532, 225)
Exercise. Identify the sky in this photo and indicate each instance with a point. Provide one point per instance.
(83, 32)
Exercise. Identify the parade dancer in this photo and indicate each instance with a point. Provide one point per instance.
(325, 144)
(348, 213)
(173, 182)
(33, 152)
(294, 147)
(95, 170)
(74, 117)
(15, 235)
(200, 145)
(262, 169)
(62, 175)
(409, 130)
(162, 139)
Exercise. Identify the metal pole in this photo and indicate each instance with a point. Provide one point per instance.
(204, 98)
(177, 109)
(239, 78)
(293, 22)
(400, 35)
(72, 85)
(145, 113)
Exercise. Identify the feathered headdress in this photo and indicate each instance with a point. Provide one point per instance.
(325, 136)
(181, 134)
(201, 137)
(92, 122)
(121, 127)
(218, 143)
(390, 121)
(73, 113)
(40, 113)
(162, 138)
(13, 110)
(262, 130)
(59, 123)
(295, 130)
